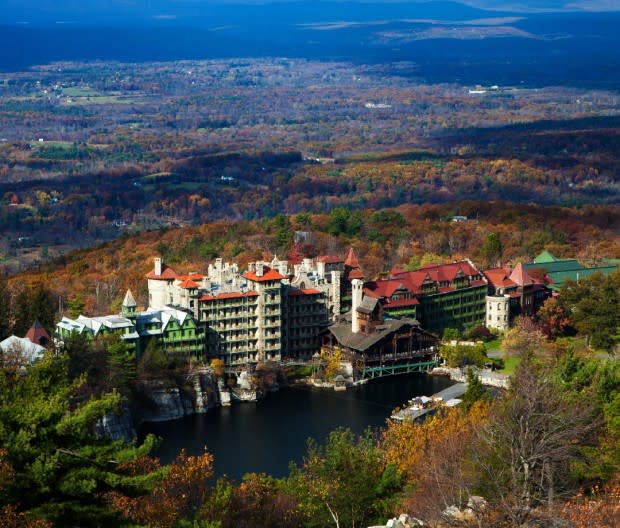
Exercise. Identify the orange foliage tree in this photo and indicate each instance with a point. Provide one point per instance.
(179, 495)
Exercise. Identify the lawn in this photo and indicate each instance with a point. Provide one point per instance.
(493, 345)
(510, 365)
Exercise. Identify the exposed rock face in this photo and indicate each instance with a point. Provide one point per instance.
(117, 426)
(168, 402)
(402, 521)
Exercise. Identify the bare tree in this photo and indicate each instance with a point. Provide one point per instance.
(529, 444)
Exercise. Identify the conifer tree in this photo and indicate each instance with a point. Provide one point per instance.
(5, 309)
(62, 469)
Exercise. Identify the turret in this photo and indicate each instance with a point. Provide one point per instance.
(128, 308)
(356, 300)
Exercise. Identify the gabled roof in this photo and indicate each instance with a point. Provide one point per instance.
(162, 316)
(167, 273)
(521, 277)
(361, 341)
(413, 281)
(356, 274)
(440, 272)
(499, 277)
(190, 276)
(29, 351)
(268, 275)
(368, 305)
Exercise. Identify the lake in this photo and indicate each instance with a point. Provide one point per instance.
(266, 435)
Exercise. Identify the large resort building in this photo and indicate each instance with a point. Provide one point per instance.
(277, 310)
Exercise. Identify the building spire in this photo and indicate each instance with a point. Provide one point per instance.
(128, 308)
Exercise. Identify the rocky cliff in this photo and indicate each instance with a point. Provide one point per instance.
(167, 400)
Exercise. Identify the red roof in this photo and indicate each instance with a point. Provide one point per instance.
(268, 275)
(356, 274)
(442, 272)
(498, 277)
(188, 285)
(37, 334)
(329, 259)
(351, 259)
(412, 281)
(402, 302)
(167, 273)
(232, 295)
(305, 291)
(191, 276)
(521, 277)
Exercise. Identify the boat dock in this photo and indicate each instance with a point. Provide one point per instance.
(447, 396)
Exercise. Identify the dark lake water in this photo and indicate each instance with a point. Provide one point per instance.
(265, 436)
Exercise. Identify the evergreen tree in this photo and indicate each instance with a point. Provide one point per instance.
(5, 309)
(22, 314)
(121, 364)
(42, 307)
(62, 470)
(75, 305)
(475, 390)
(347, 482)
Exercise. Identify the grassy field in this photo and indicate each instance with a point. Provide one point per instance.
(80, 91)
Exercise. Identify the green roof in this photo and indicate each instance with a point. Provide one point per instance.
(561, 270)
(557, 266)
(545, 257)
(560, 277)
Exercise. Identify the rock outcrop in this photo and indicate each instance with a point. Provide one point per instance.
(168, 401)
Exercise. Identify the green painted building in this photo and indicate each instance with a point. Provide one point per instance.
(558, 271)
(175, 331)
(444, 296)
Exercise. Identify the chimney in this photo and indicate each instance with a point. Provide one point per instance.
(259, 269)
(283, 267)
(356, 300)
(158, 266)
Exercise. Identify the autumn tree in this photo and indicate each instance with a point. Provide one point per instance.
(523, 339)
(554, 318)
(259, 500)
(177, 496)
(345, 483)
(599, 508)
(534, 435)
(436, 457)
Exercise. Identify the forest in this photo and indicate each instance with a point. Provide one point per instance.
(176, 144)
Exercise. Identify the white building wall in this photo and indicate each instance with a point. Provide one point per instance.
(498, 312)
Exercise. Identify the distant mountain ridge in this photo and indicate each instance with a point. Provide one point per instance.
(208, 14)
